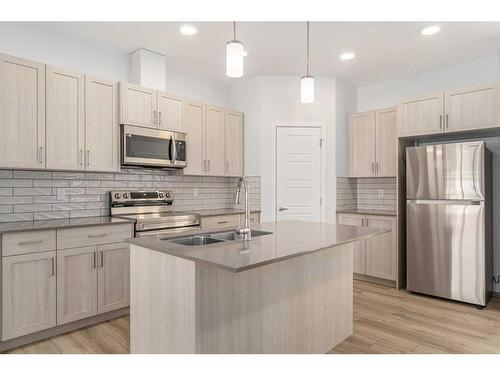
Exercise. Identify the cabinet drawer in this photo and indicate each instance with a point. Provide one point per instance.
(28, 242)
(254, 218)
(90, 236)
(222, 221)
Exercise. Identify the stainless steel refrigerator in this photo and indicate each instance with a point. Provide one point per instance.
(449, 221)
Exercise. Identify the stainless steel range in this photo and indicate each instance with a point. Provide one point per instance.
(153, 212)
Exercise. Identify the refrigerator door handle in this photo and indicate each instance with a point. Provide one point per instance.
(449, 201)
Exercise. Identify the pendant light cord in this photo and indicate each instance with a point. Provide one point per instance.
(307, 49)
(234, 30)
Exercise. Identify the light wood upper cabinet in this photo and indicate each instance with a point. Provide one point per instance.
(423, 115)
(137, 105)
(234, 147)
(170, 112)
(101, 125)
(215, 141)
(65, 128)
(195, 122)
(359, 253)
(372, 143)
(76, 284)
(386, 140)
(381, 250)
(28, 293)
(113, 275)
(22, 113)
(362, 144)
(472, 108)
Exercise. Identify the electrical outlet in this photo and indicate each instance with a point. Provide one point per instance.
(61, 194)
(195, 192)
(380, 193)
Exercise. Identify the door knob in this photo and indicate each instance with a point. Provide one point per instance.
(282, 209)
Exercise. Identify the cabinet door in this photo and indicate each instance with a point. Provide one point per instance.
(101, 125)
(22, 113)
(381, 250)
(113, 277)
(362, 144)
(386, 142)
(170, 112)
(195, 122)
(215, 141)
(473, 108)
(76, 284)
(359, 265)
(234, 144)
(421, 115)
(28, 294)
(137, 105)
(65, 119)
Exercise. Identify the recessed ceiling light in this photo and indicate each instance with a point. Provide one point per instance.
(347, 56)
(188, 30)
(430, 30)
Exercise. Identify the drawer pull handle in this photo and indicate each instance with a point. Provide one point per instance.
(102, 259)
(53, 266)
(94, 264)
(29, 242)
(222, 222)
(97, 235)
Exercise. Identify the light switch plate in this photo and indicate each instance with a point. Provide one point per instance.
(380, 193)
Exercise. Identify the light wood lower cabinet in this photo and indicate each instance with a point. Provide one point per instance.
(113, 277)
(359, 253)
(220, 221)
(47, 288)
(76, 284)
(28, 293)
(375, 256)
(381, 250)
(254, 218)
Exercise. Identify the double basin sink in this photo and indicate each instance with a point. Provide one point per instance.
(211, 238)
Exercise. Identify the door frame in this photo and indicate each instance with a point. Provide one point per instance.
(274, 164)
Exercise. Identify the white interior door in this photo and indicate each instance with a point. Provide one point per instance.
(298, 173)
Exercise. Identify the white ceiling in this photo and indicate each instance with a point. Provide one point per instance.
(384, 50)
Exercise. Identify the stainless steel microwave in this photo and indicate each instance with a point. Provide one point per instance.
(148, 147)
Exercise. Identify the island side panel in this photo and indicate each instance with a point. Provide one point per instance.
(162, 302)
(299, 305)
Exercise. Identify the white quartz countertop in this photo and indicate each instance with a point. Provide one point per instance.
(287, 239)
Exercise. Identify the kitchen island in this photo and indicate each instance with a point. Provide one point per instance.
(286, 291)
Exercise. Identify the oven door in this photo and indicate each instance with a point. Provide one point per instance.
(167, 232)
(149, 147)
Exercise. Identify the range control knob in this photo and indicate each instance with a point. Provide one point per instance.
(125, 195)
(161, 195)
(117, 195)
(168, 194)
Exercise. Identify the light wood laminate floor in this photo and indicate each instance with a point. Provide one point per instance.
(385, 321)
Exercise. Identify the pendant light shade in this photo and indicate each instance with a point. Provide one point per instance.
(307, 89)
(234, 56)
(307, 82)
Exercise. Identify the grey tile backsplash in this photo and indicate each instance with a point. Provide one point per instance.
(42, 195)
(367, 193)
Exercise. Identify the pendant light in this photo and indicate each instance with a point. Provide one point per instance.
(307, 82)
(234, 56)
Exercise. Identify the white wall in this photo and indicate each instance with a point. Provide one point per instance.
(387, 93)
(270, 100)
(345, 103)
(40, 42)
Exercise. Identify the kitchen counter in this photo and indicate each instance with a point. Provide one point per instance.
(222, 211)
(287, 239)
(294, 296)
(368, 212)
(21, 226)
